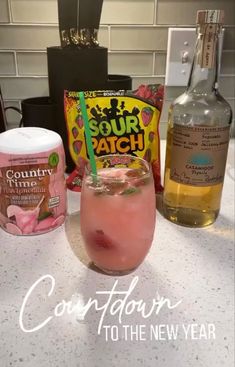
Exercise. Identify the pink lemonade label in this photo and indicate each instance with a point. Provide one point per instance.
(32, 192)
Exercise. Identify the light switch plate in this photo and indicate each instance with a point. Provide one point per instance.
(180, 51)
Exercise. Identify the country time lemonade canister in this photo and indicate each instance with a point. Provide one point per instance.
(32, 182)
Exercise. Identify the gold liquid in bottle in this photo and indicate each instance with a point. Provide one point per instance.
(197, 137)
(186, 204)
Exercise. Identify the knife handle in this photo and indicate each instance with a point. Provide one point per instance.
(68, 19)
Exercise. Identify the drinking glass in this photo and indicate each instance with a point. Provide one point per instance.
(118, 212)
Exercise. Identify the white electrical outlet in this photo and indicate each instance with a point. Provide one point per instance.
(180, 50)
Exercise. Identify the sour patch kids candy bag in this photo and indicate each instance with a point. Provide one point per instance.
(120, 123)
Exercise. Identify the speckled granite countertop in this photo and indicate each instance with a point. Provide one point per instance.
(191, 269)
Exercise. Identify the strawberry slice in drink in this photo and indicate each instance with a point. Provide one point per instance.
(138, 178)
(134, 173)
(99, 240)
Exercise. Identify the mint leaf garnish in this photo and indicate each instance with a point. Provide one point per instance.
(131, 190)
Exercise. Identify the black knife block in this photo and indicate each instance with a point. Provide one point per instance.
(78, 69)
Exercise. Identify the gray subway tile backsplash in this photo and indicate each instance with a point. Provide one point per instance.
(226, 86)
(228, 63)
(32, 63)
(128, 12)
(114, 12)
(34, 11)
(135, 32)
(7, 63)
(138, 38)
(131, 63)
(153, 38)
(35, 37)
(28, 37)
(229, 38)
(24, 87)
(183, 12)
(13, 117)
(4, 13)
(137, 81)
(160, 63)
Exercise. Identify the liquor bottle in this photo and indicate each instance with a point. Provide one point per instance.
(198, 134)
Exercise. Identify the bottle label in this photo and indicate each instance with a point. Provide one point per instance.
(199, 155)
(32, 192)
(208, 51)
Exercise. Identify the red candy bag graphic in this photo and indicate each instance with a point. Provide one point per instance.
(120, 123)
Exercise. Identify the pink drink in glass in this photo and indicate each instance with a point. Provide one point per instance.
(118, 213)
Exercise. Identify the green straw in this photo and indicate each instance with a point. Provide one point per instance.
(88, 134)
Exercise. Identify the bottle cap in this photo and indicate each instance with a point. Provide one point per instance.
(210, 16)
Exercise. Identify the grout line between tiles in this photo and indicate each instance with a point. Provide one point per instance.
(23, 76)
(46, 76)
(121, 25)
(9, 10)
(148, 76)
(154, 60)
(134, 52)
(155, 12)
(22, 50)
(163, 52)
(16, 64)
(109, 37)
(31, 51)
